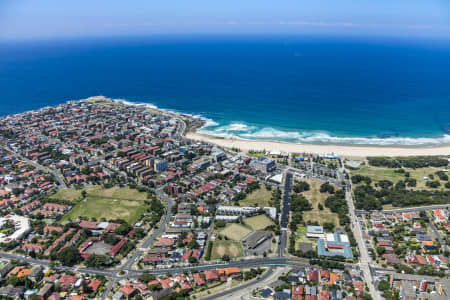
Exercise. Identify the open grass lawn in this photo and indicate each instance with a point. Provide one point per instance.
(419, 174)
(258, 222)
(389, 206)
(300, 237)
(260, 197)
(230, 248)
(114, 203)
(301, 230)
(379, 173)
(256, 154)
(321, 217)
(315, 197)
(235, 232)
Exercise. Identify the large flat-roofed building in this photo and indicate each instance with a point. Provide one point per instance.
(236, 210)
(217, 154)
(314, 232)
(264, 164)
(227, 218)
(256, 238)
(336, 244)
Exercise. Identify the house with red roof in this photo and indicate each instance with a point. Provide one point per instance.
(186, 286)
(297, 292)
(152, 260)
(29, 247)
(94, 284)
(421, 260)
(440, 216)
(211, 275)
(325, 275)
(67, 280)
(324, 295)
(166, 283)
(48, 229)
(142, 288)
(359, 288)
(116, 248)
(153, 282)
(199, 279)
(406, 217)
(128, 290)
(313, 275)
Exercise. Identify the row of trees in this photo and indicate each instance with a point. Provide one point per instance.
(337, 204)
(369, 198)
(412, 162)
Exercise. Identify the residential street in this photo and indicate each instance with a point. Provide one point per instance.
(56, 174)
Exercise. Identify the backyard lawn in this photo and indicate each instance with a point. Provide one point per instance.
(114, 203)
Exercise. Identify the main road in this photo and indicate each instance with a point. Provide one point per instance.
(406, 209)
(357, 231)
(247, 285)
(285, 212)
(128, 265)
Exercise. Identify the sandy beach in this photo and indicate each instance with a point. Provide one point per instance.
(350, 150)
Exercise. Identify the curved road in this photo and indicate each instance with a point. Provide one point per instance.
(55, 174)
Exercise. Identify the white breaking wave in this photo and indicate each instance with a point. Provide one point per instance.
(235, 127)
(208, 122)
(126, 102)
(237, 130)
(272, 134)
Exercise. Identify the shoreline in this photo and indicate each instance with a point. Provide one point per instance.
(340, 150)
(267, 145)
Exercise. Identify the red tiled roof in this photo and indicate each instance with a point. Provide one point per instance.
(127, 290)
(199, 279)
(116, 248)
(94, 284)
(211, 275)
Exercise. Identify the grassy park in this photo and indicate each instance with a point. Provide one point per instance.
(259, 197)
(380, 173)
(258, 222)
(235, 232)
(113, 203)
(230, 248)
(315, 197)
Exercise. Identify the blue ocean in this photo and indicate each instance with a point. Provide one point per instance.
(303, 89)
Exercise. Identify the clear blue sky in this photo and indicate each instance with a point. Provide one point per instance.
(30, 19)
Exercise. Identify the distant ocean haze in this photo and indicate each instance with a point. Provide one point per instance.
(286, 88)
